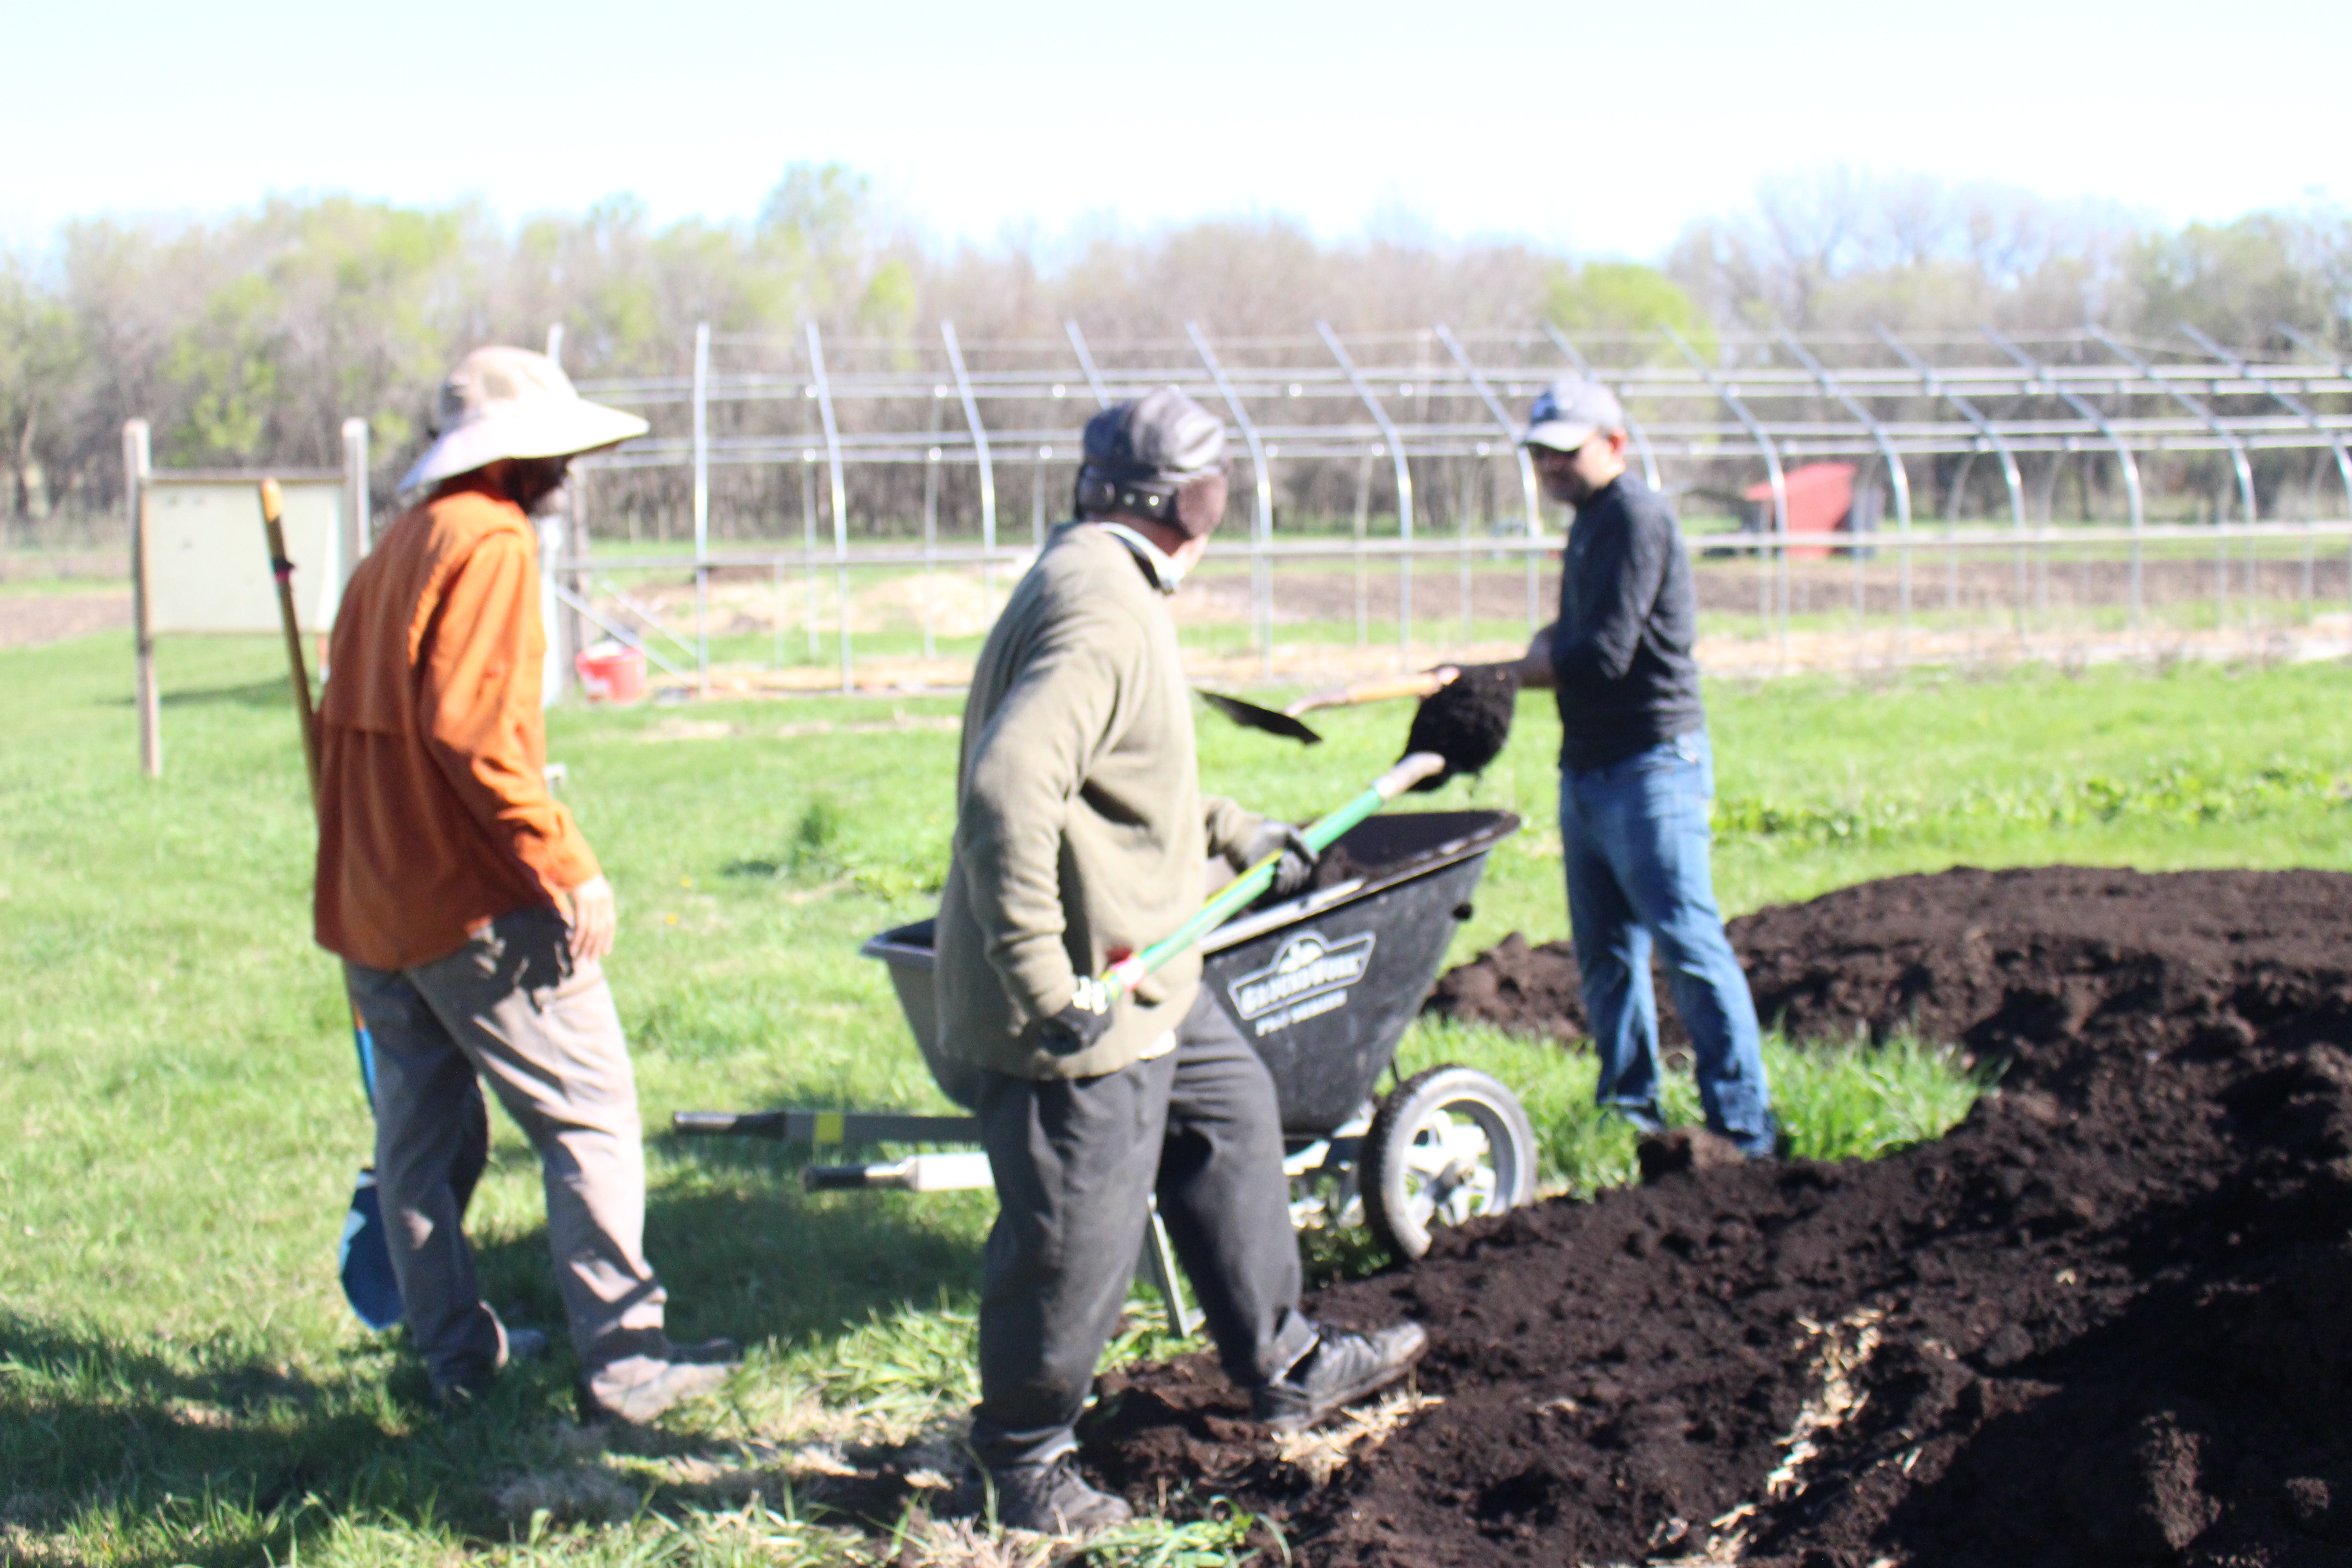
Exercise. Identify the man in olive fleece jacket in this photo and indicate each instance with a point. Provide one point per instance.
(1081, 831)
(1082, 836)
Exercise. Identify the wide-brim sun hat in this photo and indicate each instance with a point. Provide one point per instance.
(512, 402)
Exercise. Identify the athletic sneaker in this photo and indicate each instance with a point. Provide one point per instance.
(1053, 1499)
(1340, 1369)
(640, 1387)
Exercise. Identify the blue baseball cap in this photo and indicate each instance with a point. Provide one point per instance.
(1571, 412)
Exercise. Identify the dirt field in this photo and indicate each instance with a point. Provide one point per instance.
(2066, 613)
(2101, 1321)
(744, 600)
(27, 620)
(1984, 582)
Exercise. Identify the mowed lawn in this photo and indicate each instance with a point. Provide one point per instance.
(180, 1118)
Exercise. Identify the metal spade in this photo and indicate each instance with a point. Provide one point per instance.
(1249, 715)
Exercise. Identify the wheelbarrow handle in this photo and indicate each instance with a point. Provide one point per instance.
(835, 1179)
(744, 1124)
(916, 1173)
(1238, 893)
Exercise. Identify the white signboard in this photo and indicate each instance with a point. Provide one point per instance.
(209, 555)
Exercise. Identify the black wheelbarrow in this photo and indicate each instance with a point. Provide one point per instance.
(1323, 985)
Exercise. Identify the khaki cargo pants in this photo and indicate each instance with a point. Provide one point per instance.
(512, 1006)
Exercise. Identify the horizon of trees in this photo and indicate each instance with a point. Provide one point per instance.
(248, 338)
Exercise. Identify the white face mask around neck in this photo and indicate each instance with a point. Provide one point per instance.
(1164, 570)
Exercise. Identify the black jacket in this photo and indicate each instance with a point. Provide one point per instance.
(1621, 652)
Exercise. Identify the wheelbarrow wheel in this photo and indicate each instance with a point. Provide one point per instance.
(1450, 1143)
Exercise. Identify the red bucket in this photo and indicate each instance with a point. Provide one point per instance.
(611, 673)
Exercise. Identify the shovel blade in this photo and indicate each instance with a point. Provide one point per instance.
(1249, 715)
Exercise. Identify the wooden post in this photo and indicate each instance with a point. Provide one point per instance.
(135, 469)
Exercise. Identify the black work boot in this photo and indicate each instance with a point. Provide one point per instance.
(1342, 1368)
(1053, 1499)
(465, 1391)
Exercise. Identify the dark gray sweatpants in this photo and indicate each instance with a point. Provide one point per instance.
(1076, 1162)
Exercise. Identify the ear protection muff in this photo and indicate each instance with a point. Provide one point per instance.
(1201, 503)
(1147, 499)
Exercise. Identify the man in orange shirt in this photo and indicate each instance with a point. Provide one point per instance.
(469, 912)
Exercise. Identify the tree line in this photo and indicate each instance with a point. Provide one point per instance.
(248, 338)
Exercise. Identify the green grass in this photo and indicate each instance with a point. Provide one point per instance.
(1839, 1100)
(180, 1119)
(53, 588)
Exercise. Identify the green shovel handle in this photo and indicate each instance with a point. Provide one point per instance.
(1237, 894)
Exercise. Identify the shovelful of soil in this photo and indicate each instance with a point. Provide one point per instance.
(2107, 1320)
(1466, 720)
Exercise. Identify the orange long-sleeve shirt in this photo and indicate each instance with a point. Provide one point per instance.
(434, 813)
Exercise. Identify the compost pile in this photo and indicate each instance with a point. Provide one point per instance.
(2102, 1320)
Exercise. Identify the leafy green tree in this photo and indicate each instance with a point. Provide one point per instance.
(816, 210)
(2237, 281)
(886, 308)
(39, 357)
(222, 365)
(248, 338)
(364, 291)
(594, 273)
(812, 246)
(1624, 298)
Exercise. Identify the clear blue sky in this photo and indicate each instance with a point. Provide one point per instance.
(1601, 128)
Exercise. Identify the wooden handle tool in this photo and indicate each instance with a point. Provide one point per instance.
(273, 515)
(1380, 689)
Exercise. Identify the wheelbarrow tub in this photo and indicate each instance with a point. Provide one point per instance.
(1322, 985)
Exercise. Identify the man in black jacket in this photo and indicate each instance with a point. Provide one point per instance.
(1635, 778)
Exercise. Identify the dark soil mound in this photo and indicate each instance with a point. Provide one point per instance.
(2105, 1321)
(1337, 865)
(1526, 990)
(1988, 958)
(1466, 720)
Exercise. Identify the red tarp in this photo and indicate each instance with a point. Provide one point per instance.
(1820, 496)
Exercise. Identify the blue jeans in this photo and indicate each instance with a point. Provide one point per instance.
(1635, 836)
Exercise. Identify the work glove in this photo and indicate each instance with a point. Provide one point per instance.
(1296, 865)
(1084, 1019)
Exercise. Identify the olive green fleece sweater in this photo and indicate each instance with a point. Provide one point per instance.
(1080, 827)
